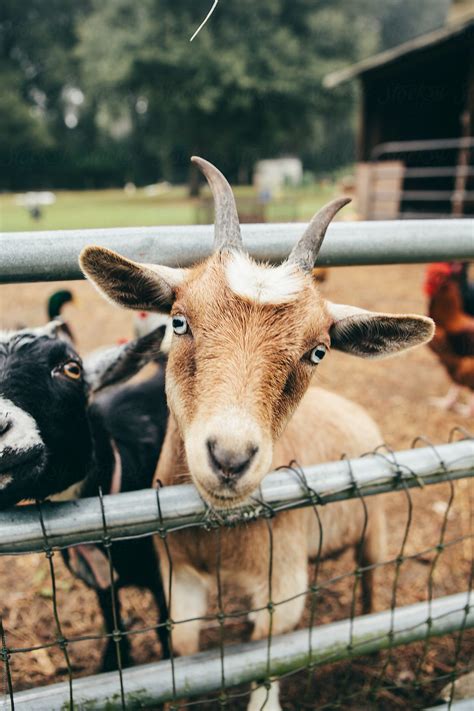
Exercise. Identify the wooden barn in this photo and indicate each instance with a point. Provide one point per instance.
(416, 126)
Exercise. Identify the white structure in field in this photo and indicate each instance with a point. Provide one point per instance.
(34, 199)
(271, 175)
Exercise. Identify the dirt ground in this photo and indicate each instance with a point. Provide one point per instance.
(397, 393)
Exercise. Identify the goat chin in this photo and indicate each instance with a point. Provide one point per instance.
(222, 501)
(221, 497)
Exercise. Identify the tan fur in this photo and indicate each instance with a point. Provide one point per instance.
(249, 355)
(245, 551)
(238, 377)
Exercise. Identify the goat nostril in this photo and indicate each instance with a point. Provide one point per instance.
(5, 426)
(227, 464)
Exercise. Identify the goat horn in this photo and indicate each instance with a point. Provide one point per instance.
(305, 251)
(226, 224)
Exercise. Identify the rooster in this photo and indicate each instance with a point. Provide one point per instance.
(451, 306)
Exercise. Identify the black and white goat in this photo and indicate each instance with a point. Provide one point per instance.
(55, 442)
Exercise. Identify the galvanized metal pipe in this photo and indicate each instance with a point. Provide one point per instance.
(461, 705)
(201, 673)
(136, 513)
(49, 256)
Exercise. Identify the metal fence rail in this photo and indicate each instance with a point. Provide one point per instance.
(201, 673)
(136, 513)
(39, 256)
(417, 161)
(462, 705)
(131, 515)
(49, 256)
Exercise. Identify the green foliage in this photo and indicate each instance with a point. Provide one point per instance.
(249, 86)
(21, 128)
(118, 208)
(401, 20)
(36, 65)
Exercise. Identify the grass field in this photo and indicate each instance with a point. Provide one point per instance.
(116, 208)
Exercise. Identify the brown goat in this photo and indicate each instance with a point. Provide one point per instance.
(247, 339)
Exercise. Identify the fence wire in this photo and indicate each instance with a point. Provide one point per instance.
(337, 659)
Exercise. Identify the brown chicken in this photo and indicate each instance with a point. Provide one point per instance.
(450, 306)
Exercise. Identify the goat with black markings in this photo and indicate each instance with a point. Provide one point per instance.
(54, 442)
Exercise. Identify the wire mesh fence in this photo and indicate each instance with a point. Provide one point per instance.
(51, 651)
(337, 658)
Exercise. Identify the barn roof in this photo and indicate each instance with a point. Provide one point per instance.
(431, 39)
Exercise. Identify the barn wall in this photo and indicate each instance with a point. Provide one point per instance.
(420, 96)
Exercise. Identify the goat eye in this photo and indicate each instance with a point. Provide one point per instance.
(72, 370)
(317, 354)
(180, 325)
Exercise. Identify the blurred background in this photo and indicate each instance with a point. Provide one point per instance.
(110, 97)
(102, 103)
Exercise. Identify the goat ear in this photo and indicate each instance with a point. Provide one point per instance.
(145, 287)
(376, 335)
(110, 366)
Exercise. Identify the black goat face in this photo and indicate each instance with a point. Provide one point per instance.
(45, 442)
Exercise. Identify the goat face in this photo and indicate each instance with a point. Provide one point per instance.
(247, 340)
(240, 367)
(46, 443)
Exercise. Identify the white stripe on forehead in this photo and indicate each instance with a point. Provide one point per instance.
(26, 335)
(5, 336)
(263, 283)
(19, 338)
(16, 339)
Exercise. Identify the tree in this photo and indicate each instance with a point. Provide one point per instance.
(36, 64)
(401, 21)
(249, 86)
(23, 135)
